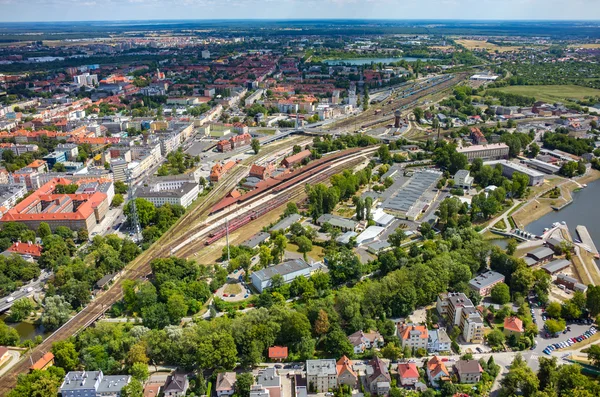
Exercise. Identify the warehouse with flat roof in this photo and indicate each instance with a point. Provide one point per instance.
(413, 197)
(510, 167)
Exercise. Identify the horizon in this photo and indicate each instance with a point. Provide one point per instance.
(56, 11)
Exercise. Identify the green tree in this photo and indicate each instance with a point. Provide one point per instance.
(39, 383)
(82, 235)
(418, 112)
(555, 326)
(133, 389)
(520, 380)
(337, 344)
(65, 355)
(59, 167)
(396, 238)
(304, 245)
(176, 307)
(255, 144)
(44, 230)
(500, 294)
(117, 200)
(593, 300)
(495, 338)
(139, 371)
(554, 310)
(56, 312)
(594, 354)
(265, 256)
(8, 335)
(243, 383)
(391, 351)
(511, 246)
(21, 309)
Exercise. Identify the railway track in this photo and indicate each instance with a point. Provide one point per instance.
(402, 102)
(140, 268)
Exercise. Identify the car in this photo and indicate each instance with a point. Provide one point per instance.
(29, 289)
(565, 331)
(245, 296)
(232, 296)
(569, 329)
(225, 295)
(278, 366)
(479, 350)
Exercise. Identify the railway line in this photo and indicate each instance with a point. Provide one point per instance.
(140, 268)
(404, 100)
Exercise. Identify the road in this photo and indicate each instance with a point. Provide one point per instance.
(14, 358)
(29, 289)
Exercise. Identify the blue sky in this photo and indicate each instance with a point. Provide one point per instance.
(77, 10)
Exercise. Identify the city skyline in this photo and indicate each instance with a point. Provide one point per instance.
(92, 10)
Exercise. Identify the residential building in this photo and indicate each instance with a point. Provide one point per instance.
(483, 283)
(463, 179)
(408, 374)
(27, 249)
(513, 326)
(471, 325)
(75, 211)
(295, 159)
(477, 136)
(321, 375)
(176, 385)
(510, 167)
(278, 353)
(378, 377)
(451, 304)
(437, 371)
(364, 341)
(493, 151)
(152, 389)
(93, 384)
(271, 381)
(570, 283)
(4, 355)
(259, 391)
(289, 270)
(469, 371)
(10, 194)
(184, 195)
(438, 341)
(45, 362)
(412, 336)
(345, 373)
(39, 166)
(225, 385)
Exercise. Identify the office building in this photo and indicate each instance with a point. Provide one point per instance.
(493, 151)
(484, 282)
(321, 375)
(509, 168)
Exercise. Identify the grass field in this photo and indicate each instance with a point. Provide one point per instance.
(552, 93)
(233, 289)
(484, 45)
(589, 45)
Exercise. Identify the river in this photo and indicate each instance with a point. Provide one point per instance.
(583, 211)
(368, 61)
(26, 330)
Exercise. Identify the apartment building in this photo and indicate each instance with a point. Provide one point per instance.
(183, 195)
(412, 336)
(321, 375)
(484, 282)
(461, 312)
(471, 325)
(93, 384)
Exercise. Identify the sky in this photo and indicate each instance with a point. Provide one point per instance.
(86, 10)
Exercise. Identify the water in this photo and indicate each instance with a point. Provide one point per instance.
(583, 211)
(500, 242)
(26, 330)
(368, 61)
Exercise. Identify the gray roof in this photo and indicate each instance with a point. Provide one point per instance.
(76, 380)
(486, 279)
(378, 246)
(540, 253)
(337, 221)
(468, 367)
(576, 284)
(286, 222)
(113, 383)
(556, 265)
(461, 174)
(409, 194)
(459, 299)
(290, 266)
(255, 240)
(176, 382)
(530, 261)
(321, 367)
(268, 378)
(178, 193)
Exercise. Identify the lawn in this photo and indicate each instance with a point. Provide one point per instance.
(233, 289)
(552, 93)
(484, 45)
(500, 225)
(317, 252)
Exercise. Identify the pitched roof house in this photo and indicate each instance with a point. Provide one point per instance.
(278, 353)
(408, 374)
(363, 341)
(436, 371)
(513, 325)
(469, 371)
(413, 336)
(176, 385)
(378, 377)
(345, 373)
(225, 385)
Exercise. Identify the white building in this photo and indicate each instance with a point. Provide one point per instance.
(463, 179)
(183, 195)
(205, 54)
(86, 79)
(321, 375)
(289, 270)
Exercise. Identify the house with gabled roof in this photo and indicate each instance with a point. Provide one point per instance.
(437, 371)
(345, 374)
(408, 374)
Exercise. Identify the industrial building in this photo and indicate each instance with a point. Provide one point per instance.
(288, 270)
(543, 166)
(414, 197)
(509, 168)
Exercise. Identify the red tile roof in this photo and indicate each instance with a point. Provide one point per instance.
(43, 362)
(408, 370)
(513, 324)
(345, 364)
(28, 248)
(404, 331)
(278, 352)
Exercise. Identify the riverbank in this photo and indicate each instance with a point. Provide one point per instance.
(541, 206)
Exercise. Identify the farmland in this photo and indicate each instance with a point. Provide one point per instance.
(552, 93)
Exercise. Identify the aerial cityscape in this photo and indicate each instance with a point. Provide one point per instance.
(296, 207)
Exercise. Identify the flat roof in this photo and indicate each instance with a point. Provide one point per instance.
(486, 279)
(516, 167)
(476, 148)
(290, 266)
(410, 194)
(185, 188)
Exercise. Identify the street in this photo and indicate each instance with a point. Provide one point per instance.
(29, 289)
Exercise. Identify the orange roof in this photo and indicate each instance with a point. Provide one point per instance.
(344, 364)
(278, 352)
(408, 370)
(404, 331)
(298, 156)
(37, 163)
(43, 362)
(435, 366)
(26, 249)
(513, 324)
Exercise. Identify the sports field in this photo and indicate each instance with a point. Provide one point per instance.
(552, 93)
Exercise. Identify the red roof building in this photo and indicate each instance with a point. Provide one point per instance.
(218, 170)
(408, 374)
(224, 146)
(34, 250)
(513, 325)
(240, 140)
(296, 158)
(259, 172)
(43, 363)
(278, 353)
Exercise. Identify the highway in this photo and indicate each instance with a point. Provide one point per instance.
(29, 289)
